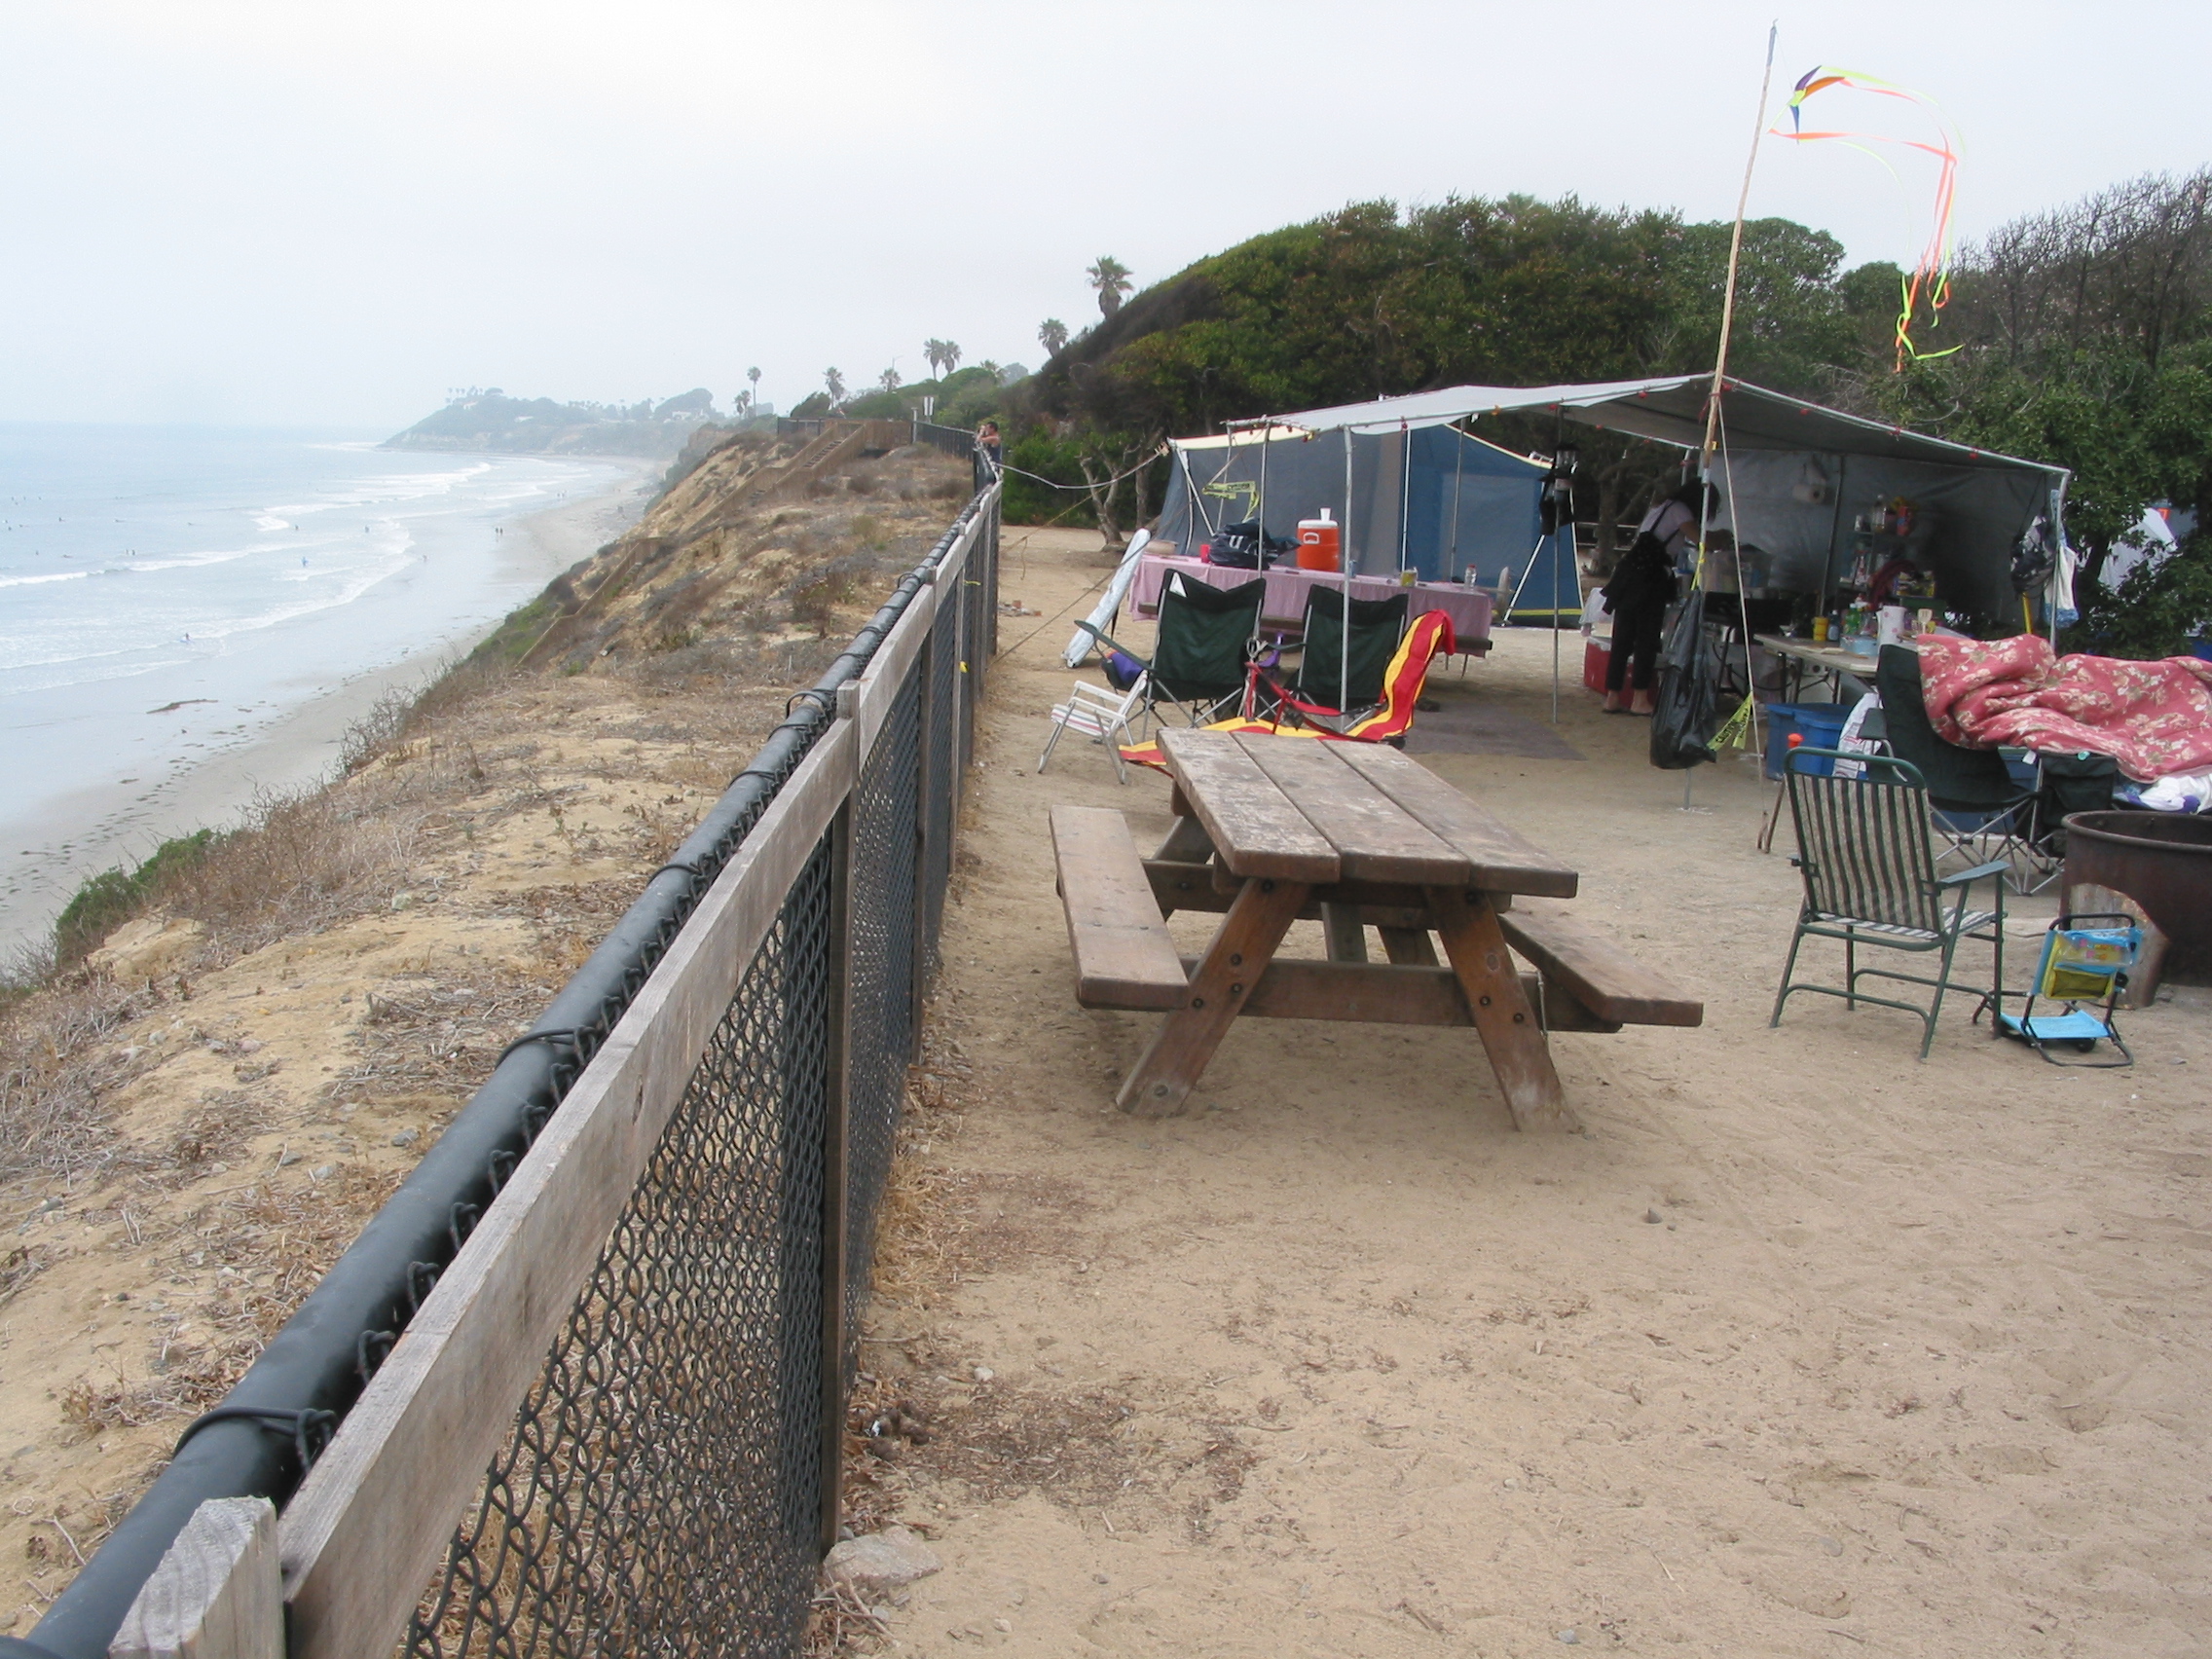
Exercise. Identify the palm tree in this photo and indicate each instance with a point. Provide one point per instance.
(1052, 335)
(944, 355)
(889, 378)
(754, 375)
(1111, 277)
(834, 383)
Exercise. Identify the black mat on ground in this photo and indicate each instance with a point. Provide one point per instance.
(1472, 727)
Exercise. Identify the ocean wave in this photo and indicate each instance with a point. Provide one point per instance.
(37, 581)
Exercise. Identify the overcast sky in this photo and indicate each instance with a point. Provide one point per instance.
(311, 213)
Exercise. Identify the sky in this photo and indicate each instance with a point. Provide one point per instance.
(328, 213)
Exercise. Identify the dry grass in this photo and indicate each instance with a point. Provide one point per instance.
(56, 1075)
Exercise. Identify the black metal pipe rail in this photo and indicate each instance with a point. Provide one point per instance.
(269, 1427)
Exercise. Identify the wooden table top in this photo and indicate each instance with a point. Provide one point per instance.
(1314, 811)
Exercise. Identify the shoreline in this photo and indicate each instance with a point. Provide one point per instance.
(101, 828)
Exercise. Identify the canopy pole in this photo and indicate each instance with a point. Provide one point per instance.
(1344, 566)
(1459, 470)
(1405, 489)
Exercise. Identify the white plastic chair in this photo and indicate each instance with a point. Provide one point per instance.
(1100, 714)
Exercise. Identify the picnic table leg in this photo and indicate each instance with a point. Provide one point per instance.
(1258, 917)
(1408, 948)
(1346, 936)
(1510, 1033)
(1187, 844)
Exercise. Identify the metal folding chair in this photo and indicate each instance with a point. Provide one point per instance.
(1866, 852)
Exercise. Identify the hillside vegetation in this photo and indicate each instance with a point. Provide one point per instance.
(2081, 336)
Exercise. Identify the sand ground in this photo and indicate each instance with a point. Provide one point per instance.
(1911, 1360)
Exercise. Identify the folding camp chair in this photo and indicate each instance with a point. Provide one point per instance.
(1101, 714)
(1972, 790)
(1865, 849)
(1387, 722)
(2080, 964)
(1324, 680)
(1206, 636)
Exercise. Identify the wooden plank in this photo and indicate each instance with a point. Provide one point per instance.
(1406, 994)
(1176, 1057)
(1409, 946)
(1595, 971)
(1510, 1033)
(1125, 956)
(1187, 844)
(1256, 829)
(1344, 931)
(216, 1592)
(1192, 887)
(1500, 859)
(1376, 838)
(836, 1178)
(360, 1537)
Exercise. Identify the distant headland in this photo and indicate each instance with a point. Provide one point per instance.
(490, 419)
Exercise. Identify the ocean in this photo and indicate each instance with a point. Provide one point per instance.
(178, 606)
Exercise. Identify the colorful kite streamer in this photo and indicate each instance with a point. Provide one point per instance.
(1929, 281)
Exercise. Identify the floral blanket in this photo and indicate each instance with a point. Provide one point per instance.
(2154, 717)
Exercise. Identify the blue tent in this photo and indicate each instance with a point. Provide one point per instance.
(1432, 500)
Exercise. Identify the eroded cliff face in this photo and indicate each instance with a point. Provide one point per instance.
(244, 1076)
(751, 551)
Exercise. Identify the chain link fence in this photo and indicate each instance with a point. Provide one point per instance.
(668, 1484)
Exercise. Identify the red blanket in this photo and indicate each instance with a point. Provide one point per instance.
(2154, 717)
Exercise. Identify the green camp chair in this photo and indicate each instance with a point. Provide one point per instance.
(1206, 637)
(1865, 850)
(2085, 960)
(1972, 790)
(1377, 626)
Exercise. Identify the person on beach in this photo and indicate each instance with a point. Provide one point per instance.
(1642, 588)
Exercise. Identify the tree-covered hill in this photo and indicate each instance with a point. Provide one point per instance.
(493, 420)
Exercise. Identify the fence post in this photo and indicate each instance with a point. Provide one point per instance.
(217, 1593)
(926, 762)
(836, 1166)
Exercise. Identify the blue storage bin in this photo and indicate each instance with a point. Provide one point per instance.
(1819, 724)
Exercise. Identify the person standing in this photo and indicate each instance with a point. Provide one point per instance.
(1637, 597)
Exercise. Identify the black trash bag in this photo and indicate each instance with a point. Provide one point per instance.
(1242, 546)
(1689, 694)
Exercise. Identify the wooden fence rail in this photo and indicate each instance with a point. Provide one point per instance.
(365, 1530)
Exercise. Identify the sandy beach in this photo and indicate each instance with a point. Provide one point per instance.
(74, 835)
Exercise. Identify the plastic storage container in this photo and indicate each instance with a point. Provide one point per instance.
(1320, 543)
(1819, 724)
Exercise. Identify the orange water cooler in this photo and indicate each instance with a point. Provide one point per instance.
(1320, 543)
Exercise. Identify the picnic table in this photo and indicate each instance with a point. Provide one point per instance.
(1283, 609)
(1271, 830)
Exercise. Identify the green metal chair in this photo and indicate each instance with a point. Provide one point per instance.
(1866, 853)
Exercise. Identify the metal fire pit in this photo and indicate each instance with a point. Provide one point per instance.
(2164, 861)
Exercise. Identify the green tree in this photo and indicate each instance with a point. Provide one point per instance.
(944, 355)
(1052, 335)
(834, 383)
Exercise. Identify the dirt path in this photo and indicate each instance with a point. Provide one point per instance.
(1911, 1360)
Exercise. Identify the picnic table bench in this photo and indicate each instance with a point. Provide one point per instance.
(1274, 830)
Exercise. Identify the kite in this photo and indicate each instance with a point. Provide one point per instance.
(1930, 280)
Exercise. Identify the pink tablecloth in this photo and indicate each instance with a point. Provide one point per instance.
(1285, 605)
